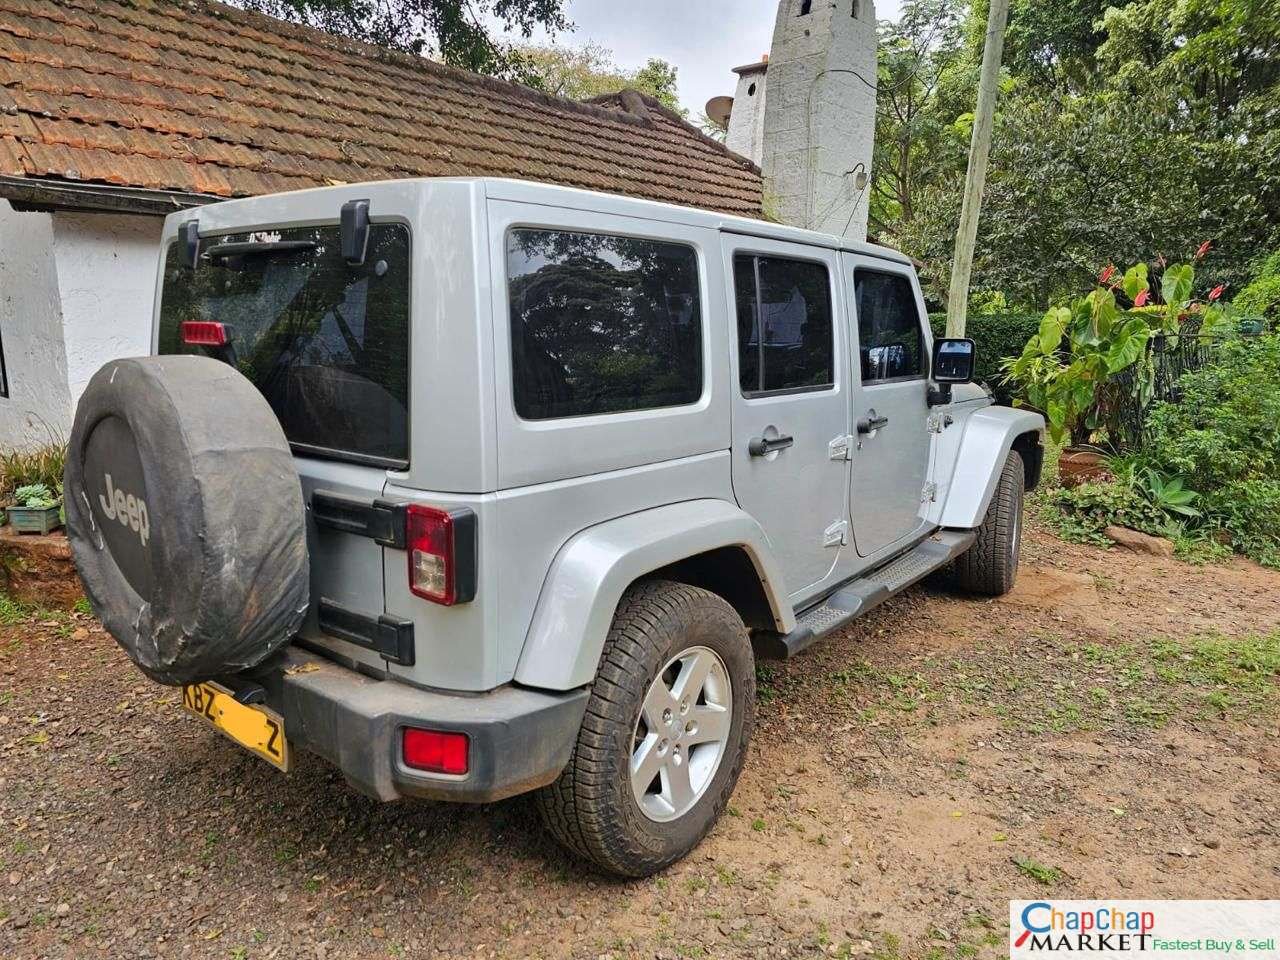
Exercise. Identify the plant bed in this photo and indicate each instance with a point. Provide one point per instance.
(38, 570)
(40, 520)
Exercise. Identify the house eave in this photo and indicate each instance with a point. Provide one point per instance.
(38, 194)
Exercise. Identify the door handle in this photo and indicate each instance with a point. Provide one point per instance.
(762, 446)
(872, 422)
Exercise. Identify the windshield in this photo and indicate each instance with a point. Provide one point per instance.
(325, 342)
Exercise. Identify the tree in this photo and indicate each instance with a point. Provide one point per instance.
(658, 79)
(1056, 44)
(917, 138)
(581, 73)
(451, 30)
(1126, 131)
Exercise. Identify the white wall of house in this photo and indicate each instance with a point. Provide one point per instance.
(75, 292)
(106, 281)
(38, 407)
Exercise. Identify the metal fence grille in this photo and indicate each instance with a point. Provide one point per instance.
(1129, 396)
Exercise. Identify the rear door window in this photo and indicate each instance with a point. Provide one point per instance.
(602, 324)
(327, 343)
(786, 341)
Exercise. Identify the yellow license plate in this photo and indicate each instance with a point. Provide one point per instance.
(257, 729)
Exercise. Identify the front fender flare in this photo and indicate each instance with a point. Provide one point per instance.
(989, 435)
(595, 567)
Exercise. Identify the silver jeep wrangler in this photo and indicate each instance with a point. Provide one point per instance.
(477, 487)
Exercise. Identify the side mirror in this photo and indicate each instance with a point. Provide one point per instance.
(954, 360)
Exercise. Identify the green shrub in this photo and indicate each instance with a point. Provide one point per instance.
(1223, 438)
(1000, 336)
(1261, 298)
(1092, 507)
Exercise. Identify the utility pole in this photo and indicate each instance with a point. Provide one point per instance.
(975, 183)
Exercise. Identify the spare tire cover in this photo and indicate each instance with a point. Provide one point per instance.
(185, 517)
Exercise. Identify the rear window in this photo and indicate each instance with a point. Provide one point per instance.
(325, 342)
(602, 324)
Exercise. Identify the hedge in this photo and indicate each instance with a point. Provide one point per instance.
(999, 336)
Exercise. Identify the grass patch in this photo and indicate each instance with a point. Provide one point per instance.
(14, 612)
(1041, 874)
(1066, 686)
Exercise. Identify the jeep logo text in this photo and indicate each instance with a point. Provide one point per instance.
(131, 511)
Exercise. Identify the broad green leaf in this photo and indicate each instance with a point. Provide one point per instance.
(1135, 281)
(1052, 327)
(1176, 285)
(1104, 312)
(1127, 346)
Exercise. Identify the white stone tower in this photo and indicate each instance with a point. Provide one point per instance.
(746, 123)
(819, 115)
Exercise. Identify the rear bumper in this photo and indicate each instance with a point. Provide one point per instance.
(520, 739)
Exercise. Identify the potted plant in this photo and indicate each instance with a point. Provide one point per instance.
(35, 509)
(1081, 348)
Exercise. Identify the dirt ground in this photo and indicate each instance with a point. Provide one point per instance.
(1109, 729)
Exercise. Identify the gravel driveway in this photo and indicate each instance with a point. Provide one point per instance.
(1104, 732)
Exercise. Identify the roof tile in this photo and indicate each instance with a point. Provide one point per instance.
(209, 99)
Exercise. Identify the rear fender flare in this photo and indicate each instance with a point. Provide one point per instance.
(989, 435)
(595, 567)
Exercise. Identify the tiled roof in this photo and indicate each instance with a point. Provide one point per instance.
(203, 98)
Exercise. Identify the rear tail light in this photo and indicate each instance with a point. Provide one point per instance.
(435, 751)
(442, 553)
(205, 333)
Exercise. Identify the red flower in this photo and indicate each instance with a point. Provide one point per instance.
(1105, 277)
(1142, 299)
(1217, 292)
(1204, 248)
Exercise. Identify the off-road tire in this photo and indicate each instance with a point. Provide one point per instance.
(990, 566)
(591, 808)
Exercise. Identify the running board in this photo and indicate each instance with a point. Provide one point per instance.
(866, 593)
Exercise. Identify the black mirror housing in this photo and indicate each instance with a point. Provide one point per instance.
(954, 360)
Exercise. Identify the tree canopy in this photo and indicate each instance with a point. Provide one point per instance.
(581, 73)
(1126, 131)
(452, 30)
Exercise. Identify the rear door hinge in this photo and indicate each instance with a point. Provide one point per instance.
(840, 448)
(836, 535)
(930, 493)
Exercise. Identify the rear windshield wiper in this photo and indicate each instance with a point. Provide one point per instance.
(225, 251)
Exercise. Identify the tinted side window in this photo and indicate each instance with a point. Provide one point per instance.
(785, 335)
(602, 324)
(889, 337)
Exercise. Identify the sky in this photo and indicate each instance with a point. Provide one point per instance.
(703, 39)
